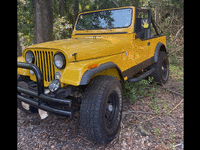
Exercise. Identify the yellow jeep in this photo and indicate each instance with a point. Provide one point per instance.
(84, 73)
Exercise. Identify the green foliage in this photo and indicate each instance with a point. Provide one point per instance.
(165, 108)
(155, 105)
(62, 29)
(102, 4)
(25, 22)
(157, 132)
(172, 137)
(129, 91)
(136, 90)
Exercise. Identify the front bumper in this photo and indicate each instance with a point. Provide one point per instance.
(38, 99)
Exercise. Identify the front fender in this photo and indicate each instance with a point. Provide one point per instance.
(22, 71)
(89, 73)
(78, 73)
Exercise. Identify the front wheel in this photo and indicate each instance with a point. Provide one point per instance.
(101, 109)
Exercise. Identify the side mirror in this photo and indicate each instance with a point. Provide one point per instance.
(73, 27)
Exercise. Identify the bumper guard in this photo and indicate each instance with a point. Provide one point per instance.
(40, 94)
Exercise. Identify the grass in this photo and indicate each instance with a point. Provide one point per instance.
(176, 67)
(176, 72)
(176, 62)
(157, 132)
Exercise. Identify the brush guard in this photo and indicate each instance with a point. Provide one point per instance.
(39, 94)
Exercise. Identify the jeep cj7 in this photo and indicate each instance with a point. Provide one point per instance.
(84, 73)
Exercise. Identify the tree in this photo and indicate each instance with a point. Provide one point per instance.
(25, 22)
(19, 49)
(43, 21)
(76, 9)
(61, 8)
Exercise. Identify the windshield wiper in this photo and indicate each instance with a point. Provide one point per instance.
(81, 27)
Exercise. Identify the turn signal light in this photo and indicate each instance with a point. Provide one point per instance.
(93, 66)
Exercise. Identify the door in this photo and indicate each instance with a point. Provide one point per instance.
(142, 50)
(142, 40)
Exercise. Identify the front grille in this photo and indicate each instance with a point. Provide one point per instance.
(44, 60)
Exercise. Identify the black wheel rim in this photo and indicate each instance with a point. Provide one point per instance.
(112, 109)
(165, 69)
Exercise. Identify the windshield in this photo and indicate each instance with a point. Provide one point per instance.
(108, 19)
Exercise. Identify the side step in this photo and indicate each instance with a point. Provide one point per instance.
(141, 76)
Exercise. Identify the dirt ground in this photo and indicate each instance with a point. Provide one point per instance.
(142, 127)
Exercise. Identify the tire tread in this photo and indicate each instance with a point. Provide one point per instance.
(91, 107)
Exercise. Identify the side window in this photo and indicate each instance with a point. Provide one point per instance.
(142, 25)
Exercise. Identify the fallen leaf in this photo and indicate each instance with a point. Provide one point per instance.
(132, 107)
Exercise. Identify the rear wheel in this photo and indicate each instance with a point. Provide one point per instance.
(161, 73)
(101, 109)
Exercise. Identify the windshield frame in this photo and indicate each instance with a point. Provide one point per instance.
(131, 20)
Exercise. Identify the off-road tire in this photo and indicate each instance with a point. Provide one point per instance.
(19, 104)
(161, 73)
(101, 109)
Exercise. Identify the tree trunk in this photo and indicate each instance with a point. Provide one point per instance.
(19, 48)
(76, 9)
(47, 20)
(67, 8)
(43, 21)
(61, 8)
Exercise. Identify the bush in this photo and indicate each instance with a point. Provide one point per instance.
(136, 90)
(61, 28)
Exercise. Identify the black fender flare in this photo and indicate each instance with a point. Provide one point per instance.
(89, 73)
(159, 47)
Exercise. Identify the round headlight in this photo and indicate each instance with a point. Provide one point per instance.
(54, 85)
(29, 56)
(59, 60)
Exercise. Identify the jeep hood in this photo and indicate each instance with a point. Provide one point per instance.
(86, 48)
